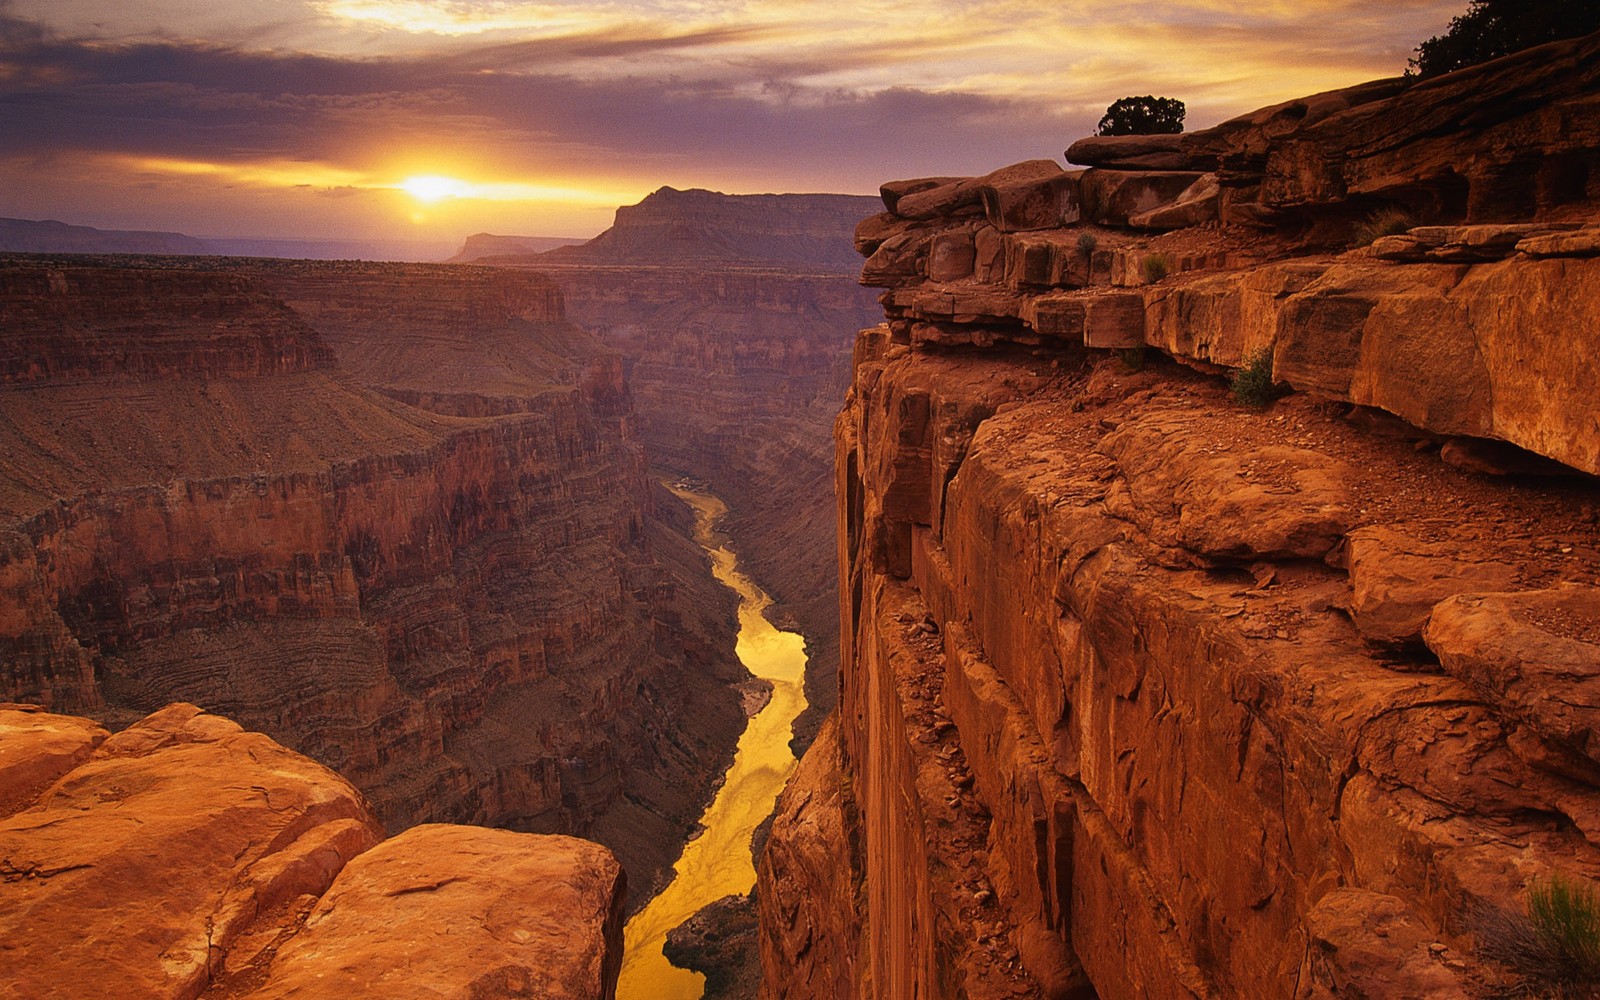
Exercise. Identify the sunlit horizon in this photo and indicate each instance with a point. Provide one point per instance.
(401, 118)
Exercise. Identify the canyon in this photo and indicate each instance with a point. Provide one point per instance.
(416, 541)
(1200, 582)
(733, 316)
(1154, 688)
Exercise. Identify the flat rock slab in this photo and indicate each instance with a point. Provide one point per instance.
(38, 747)
(462, 912)
(1229, 503)
(1395, 581)
(133, 874)
(1537, 654)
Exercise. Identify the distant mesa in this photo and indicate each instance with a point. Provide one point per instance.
(480, 246)
(707, 228)
(28, 236)
(31, 236)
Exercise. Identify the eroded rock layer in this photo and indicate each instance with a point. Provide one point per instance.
(1154, 689)
(404, 526)
(186, 857)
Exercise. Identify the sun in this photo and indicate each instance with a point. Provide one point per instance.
(430, 188)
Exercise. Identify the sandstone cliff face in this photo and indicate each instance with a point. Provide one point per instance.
(455, 587)
(1150, 693)
(185, 857)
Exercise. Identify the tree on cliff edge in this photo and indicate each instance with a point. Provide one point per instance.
(1143, 116)
(1494, 28)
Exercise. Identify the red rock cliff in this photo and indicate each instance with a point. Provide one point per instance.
(454, 587)
(1149, 692)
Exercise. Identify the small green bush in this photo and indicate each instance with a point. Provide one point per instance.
(1156, 267)
(1132, 358)
(1087, 243)
(1252, 385)
(1554, 946)
(1566, 913)
(1383, 222)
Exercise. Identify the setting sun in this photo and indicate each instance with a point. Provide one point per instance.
(432, 188)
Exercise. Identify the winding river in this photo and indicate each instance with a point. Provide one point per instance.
(718, 862)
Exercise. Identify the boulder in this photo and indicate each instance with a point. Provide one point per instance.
(1395, 581)
(136, 872)
(893, 191)
(951, 256)
(1197, 205)
(1137, 152)
(1113, 197)
(1274, 501)
(1537, 654)
(1042, 202)
(459, 911)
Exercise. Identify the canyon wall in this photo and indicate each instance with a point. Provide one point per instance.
(185, 857)
(403, 526)
(1151, 688)
(733, 313)
(736, 379)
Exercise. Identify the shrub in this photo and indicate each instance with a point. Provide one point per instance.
(1493, 28)
(1566, 912)
(1132, 358)
(1156, 267)
(1556, 944)
(1389, 221)
(1087, 243)
(1252, 385)
(1143, 116)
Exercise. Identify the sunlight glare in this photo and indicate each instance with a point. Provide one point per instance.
(431, 188)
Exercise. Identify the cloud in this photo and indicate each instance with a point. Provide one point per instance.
(741, 95)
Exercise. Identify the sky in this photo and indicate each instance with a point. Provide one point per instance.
(432, 119)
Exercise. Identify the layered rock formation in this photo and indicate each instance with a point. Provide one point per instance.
(186, 857)
(1150, 692)
(405, 527)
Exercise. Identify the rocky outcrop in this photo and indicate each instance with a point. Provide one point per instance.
(1152, 690)
(719, 942)
(461, 911)
(463, 592)
(486, 246)
(185, 857)
(1507, 140)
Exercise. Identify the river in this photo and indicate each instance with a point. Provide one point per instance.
(718, 863)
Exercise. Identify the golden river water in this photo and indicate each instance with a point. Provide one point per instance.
(718, 862)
